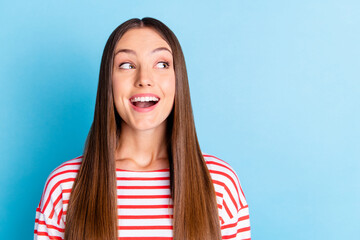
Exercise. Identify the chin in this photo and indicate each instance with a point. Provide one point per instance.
(143, 126)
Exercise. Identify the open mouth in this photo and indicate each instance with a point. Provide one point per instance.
(144, 102)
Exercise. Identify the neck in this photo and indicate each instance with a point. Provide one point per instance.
(142, 150)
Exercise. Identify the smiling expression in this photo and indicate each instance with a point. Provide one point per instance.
(143, 79)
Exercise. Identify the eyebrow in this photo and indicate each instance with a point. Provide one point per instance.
(161, 49)
(134, 53)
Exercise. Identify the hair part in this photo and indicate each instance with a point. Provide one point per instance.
(92, 209)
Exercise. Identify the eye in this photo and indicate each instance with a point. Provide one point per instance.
(126, 66)
(162, 65)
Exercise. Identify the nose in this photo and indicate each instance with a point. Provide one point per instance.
(144, 78)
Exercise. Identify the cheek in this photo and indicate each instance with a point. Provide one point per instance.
(119, 93)
(116, 94)
(120, 87)
(173, 87)
(169, 86)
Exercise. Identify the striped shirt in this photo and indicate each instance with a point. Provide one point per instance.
(144, 202)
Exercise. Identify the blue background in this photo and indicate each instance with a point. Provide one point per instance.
(275, 91)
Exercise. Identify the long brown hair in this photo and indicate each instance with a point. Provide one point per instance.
(92, 209)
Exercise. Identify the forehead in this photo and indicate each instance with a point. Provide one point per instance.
(140, 38)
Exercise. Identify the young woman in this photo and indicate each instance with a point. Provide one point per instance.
(142, 174)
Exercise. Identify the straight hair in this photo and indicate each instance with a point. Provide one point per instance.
(92, 209)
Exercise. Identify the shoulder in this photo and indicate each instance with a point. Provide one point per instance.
(233, 208)
(222, 171)
(215, 163)
(223, 174)
(58, 183)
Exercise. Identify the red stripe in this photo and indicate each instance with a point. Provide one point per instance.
(49, 226)
(222, 220)
(219, 194)
(238, 231)
(146, 238)
(223, 164)
(143, 206)
(227, 209)
(142, 178)
(143, 187)
(244, 207)
(243, 218)
(160, 170)
(53, 189)
(55, 203)
(69, 164)
(218, 183)
(142, 196)
(144, 216)
(47, 235)
(235, 224)
(145, 227)
(245, 229)
(59, 217)
(231, 196)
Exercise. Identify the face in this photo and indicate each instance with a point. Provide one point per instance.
(143, 79)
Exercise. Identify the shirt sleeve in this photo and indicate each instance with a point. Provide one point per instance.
(49, 222)
(235, 224)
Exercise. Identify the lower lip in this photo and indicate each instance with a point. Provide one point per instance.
(143, 110)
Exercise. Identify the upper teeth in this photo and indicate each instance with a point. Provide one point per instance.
(144, 99)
